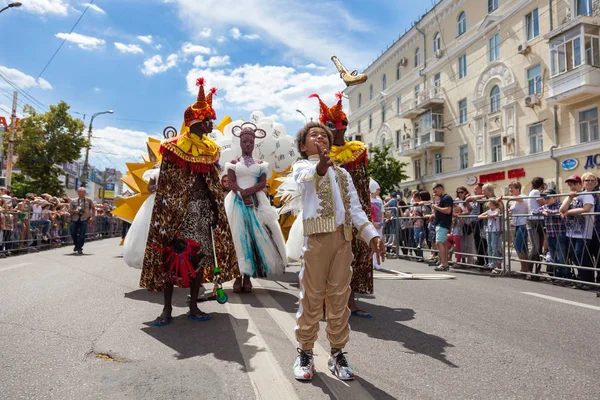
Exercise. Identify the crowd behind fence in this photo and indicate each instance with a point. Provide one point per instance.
(522, 236)
(35, 224)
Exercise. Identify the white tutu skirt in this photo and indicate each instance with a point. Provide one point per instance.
(257, 237)
(134, 246)
(295, 240)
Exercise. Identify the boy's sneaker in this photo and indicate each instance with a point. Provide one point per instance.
(339, 365)
(441, 268)
(304, 366)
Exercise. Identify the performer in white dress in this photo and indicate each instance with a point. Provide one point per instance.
(134, 245)
(257, 237)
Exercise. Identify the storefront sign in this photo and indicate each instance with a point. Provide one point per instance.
(569, 164)
(71, 168)
(109, 191)
(592, 161)
(516, 173)
(493, 177)
(6, 124)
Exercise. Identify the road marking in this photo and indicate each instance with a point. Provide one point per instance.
(14, 266)
(287, 323)
(264, 371)
(559, 300)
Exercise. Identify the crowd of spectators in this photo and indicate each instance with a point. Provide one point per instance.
(547, 235)
(43, 221)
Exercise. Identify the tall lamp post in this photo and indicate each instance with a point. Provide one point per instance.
(11, 5)
(86, 165)
(305, 119)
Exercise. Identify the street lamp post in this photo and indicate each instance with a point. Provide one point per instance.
(301, 113)
(11, 5)
(86, 165)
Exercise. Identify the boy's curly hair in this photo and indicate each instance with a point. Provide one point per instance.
(301, 136)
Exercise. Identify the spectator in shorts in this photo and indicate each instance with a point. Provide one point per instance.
(519, 206)
(494, 227)
(535, 223)
(579, 229)
(443, 222)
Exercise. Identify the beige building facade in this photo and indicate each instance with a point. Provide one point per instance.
(488, 91)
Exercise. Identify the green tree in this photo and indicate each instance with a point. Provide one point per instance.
(20, 186)
(48, 140)
(385, 169)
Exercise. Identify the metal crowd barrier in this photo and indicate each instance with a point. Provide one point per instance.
(24, 231)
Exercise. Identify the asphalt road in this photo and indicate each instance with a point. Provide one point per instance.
(470, 337)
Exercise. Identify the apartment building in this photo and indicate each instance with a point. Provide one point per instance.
(488, 91)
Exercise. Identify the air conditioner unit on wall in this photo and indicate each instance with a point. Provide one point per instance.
(531, 101)
(438, 54)
(403, 61)
(524, 48)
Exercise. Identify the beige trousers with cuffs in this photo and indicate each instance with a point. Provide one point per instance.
(326, 274)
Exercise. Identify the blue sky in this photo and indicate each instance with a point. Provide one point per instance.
(142, 57)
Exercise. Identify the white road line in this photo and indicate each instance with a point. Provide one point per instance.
(559, 300)
(264, 371)
(287, 323)
(14, 266)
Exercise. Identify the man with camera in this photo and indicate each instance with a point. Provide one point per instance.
(81, 210)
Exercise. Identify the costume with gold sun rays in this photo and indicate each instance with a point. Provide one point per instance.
(353, 157)
(181, 211)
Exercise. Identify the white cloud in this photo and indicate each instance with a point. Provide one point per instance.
(146, 39)
(158, 46)
(83, 42)
(155, 65)
(215, 61)
(221, 39)
(129, 48)
(189, 48)
(43, 7)
(278, 88)
(44, 84)
(96, 89)
(21, 79)
(236, 34)
(315, 36)
(253, 36)
(95, 8)
(118, 145)
(314, 66)
(206, 32)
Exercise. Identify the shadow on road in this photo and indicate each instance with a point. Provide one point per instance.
(179, 297)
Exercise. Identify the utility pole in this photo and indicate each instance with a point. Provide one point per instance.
(11, 138)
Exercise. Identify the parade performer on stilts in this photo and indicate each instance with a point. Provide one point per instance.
(257, 236)
(353, 157)
(188, 208)
(330, 210)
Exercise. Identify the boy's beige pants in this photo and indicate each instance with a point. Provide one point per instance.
(326, 274)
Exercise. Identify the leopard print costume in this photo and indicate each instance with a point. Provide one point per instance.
(170, 209)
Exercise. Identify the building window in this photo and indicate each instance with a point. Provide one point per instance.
(496, 144)
(398, 71)
(462, 23)
(417, 91)
(536, 139)
(370, 121)
(462, 66)
(437, 42)
(588, 125)
(358, 137)
(584, 7)
(534, 77)
(492, 5)
(383, 114)
(494, 47)
(573, 49)
(398, 136)
(463, 157)
(417, 57)
(462, 111)
(371, 92)
(358, 126)
(532, 24)
(359, 100)
(384, 82)
(398, 104)
(437, 80)
(438, 163)
(495, 100)
(417, 165)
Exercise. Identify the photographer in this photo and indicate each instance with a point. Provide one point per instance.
(81, 210)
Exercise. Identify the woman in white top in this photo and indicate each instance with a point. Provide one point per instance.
(518, 206)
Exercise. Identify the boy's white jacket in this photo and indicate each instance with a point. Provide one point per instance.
(330, 201)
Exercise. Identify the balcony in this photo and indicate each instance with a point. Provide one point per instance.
(410, 110)
(431, 140)
(408, 148)
(574, 63)
(431, 97)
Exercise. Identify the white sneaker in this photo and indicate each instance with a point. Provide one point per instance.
(304, 366)
(339, 366)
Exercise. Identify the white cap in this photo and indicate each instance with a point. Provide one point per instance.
(373, 186)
